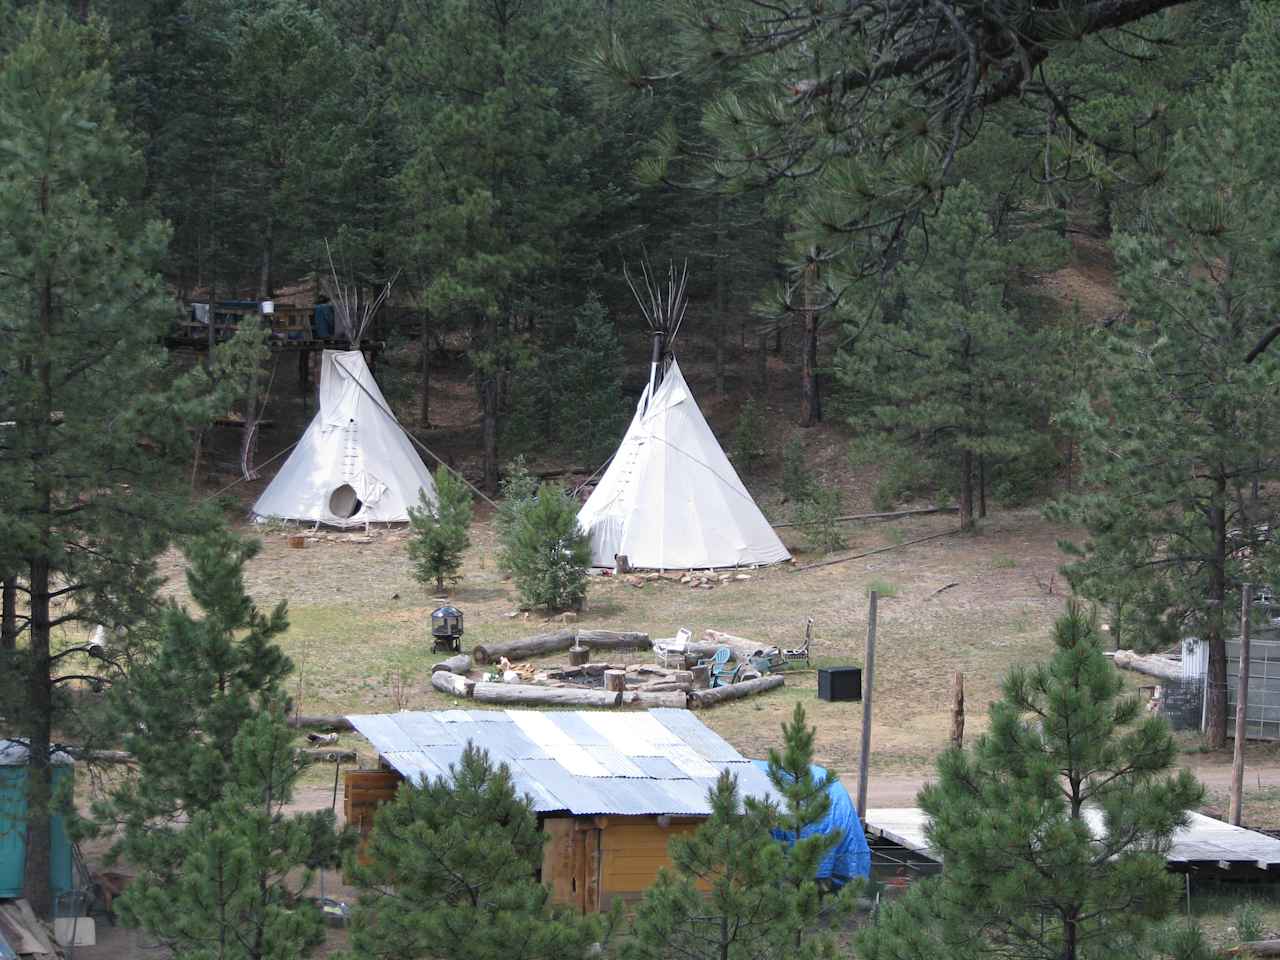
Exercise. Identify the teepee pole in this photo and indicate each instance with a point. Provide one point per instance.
(655, 366)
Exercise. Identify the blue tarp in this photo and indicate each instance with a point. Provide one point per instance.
(849, 858)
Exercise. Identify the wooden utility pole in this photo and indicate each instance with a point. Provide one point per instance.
(957, 710)
(868, 686)
(1242, 701)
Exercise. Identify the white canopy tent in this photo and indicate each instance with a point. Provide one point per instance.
(354, 465)
(670, 499)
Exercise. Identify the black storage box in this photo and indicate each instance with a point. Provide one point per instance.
(840, 683)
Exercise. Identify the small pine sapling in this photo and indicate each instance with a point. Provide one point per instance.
(517, 491)
(440, 530)
(548, 552)
(742, 886)
(450, 872)
(1030, 872)
(748, 438)
(797, 480)
(816, 517)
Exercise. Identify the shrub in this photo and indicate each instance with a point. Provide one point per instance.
(1248, 920)
(816, 518)
(440, 531)
(547, 552)
(517, 491)
(748, 438)
(797, 480)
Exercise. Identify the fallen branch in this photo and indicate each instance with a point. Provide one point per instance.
(100, 756)
(859, 556)
(953, 583)
(892, 515)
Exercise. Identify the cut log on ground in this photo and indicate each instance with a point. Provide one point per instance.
(525, 648)
(613, 640)
(528, 693)
(646, 698)
(615, 681)
(329, 756)
(579, 656)
(1153, 666)
(1256, 948)
(743, 649)
(452, 683)
(461, 664)
(734, 691)
(320, 723)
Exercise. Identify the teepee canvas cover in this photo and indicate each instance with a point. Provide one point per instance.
(354, 465)
(670, 499)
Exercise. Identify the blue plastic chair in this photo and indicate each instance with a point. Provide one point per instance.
(721, 673)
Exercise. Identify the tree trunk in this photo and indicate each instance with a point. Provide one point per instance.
(528, 693)
(810, 400)
(762, 364)
(9, 613)
(524, 648)
(39, 706)
(1215, 636)
(966, 490)
(424, 389)
(489, 408)
(460, 664)
(982, 487)
(718, 323)
(699, 699)
(35, 880)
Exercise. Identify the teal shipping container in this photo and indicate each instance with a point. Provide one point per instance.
(13, 821)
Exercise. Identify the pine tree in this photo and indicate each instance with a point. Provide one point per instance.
(736, 892)
(237, 870)
(944, 371)
(547, 552)
(1052, 825)
(1172, 454)
(97, 420)
(492, 185)
(220, 865)
(450, 872)
(440, 530)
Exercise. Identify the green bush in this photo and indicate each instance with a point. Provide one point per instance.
(797, 480)
(747, 451)
(516, 491)
(440, 532)
(1248, 921)
(547, 552)
(816, 519)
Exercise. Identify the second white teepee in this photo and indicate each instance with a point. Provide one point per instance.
(670, 499)
(354, 465)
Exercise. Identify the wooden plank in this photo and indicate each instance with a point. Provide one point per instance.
(558, 861)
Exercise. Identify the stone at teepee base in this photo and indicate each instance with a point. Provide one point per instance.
(579, 655)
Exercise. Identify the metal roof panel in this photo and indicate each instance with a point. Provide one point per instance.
(381, 730)
(659, 768)
(690, 730)
(423, 728)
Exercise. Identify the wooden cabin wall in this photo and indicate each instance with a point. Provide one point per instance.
(362, 792)
(588, 862)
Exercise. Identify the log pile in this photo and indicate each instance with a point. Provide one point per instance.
(460, 664)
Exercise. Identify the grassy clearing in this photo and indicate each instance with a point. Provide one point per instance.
(358, 618)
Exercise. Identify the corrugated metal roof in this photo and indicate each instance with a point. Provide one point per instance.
(583, 762)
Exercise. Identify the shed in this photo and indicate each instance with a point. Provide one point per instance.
(13, 821)
(1204, 847)
(610, 790)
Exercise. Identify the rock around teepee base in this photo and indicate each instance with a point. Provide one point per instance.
(670, 499)
(354, 465)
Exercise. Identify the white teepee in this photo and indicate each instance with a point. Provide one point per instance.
(670, 499)
(354, 465)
